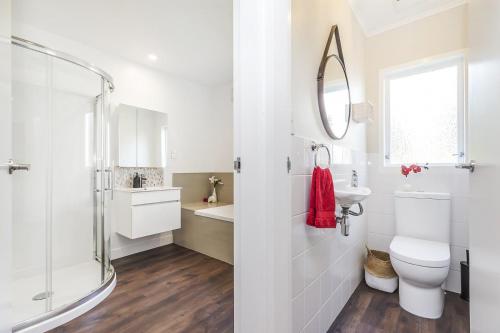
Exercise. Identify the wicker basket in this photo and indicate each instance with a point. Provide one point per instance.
(378, 263)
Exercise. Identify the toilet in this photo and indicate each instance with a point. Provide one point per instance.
(420, 251)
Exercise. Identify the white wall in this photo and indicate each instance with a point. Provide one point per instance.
(311, 23)
(326, 266)
(221, 128)
(201, 141)
(190, 105)
(435, 35)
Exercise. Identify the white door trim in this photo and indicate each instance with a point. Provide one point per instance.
(484, 122)
(5, 178)
(262, 125)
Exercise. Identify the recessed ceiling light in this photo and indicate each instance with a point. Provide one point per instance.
(152, 57)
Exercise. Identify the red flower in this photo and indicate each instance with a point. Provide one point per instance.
(405, 171)
(415, 168)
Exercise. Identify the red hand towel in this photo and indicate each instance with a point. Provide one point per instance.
(322, 200)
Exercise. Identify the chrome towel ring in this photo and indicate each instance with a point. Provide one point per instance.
(316, 148)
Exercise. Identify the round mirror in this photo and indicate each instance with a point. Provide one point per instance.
(334, 97)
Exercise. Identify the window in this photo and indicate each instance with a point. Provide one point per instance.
(424, 113)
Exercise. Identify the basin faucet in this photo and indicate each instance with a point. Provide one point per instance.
(354, 179)
(143, 180)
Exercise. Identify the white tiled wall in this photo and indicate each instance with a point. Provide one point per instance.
(380, 207)
(326, 266)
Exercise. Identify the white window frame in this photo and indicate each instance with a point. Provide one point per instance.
(422, 66)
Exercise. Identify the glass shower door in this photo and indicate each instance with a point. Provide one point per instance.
(31, 199)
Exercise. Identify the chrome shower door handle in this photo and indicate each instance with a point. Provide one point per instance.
(111, 181)
(469, 166)
(12, 166)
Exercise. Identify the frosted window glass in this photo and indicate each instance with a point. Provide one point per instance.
(424, 117)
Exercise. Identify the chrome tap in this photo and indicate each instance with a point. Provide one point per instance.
(142, 181)
(354, 179)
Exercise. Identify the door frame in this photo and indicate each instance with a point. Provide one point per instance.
(262, 139)
(484, 120)
(5, 179)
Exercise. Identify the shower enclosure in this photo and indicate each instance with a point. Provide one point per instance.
(62, 185)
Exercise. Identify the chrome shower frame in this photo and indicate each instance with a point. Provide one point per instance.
(108, 274)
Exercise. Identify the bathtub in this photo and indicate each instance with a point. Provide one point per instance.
(224, 213)
(208, 229)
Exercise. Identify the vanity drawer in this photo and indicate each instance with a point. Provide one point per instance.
(155, 218)
(141, 198)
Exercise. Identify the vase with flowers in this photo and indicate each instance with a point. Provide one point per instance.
(412, 169)
(214, 181)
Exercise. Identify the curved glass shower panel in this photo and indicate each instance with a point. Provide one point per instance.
(61, 205)
(75, 271)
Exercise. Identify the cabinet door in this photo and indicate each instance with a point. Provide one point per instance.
(127, 131)
(150, 197)
(150, 219)
(151, 127)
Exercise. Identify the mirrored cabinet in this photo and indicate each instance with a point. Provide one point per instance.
(142, 137)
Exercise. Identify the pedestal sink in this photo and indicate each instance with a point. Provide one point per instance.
(346, 197)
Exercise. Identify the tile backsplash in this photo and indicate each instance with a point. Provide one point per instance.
(124, 176)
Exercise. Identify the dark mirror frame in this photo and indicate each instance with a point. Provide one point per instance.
(321, 74)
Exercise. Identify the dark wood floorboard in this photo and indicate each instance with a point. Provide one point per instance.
(373, 311)
(167, 289)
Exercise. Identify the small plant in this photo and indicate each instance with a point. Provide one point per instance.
(415, 168)
(214, 181)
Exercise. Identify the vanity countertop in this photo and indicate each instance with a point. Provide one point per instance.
(202, 205)
(148, 189)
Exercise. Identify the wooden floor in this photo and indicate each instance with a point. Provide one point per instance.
(370, 311)
(168, 289)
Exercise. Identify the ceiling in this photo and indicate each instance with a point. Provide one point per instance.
(191, 38)
(376, 16)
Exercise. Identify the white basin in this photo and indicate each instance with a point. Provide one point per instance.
(348, 196)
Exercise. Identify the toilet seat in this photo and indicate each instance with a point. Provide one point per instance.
(420, 252)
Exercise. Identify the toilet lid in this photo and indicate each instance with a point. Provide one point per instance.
(420, 252)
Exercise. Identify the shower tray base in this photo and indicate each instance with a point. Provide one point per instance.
(64, 314)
